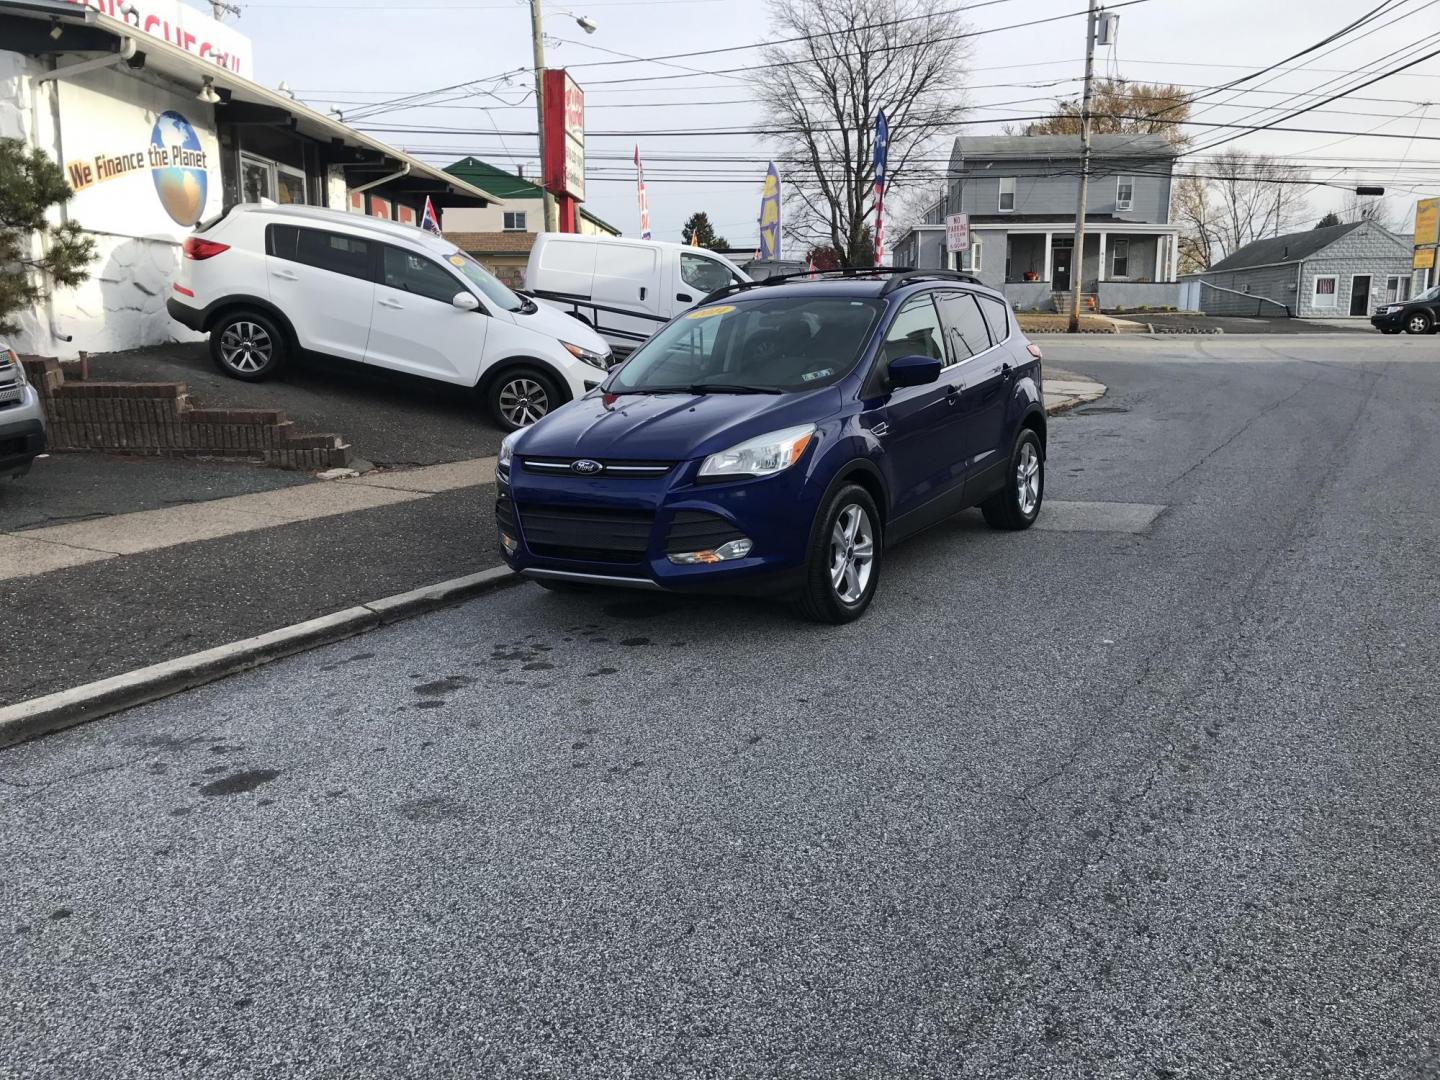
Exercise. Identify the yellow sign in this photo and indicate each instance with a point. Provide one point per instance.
(705, 313)
(1424, 259)
(1427, 222)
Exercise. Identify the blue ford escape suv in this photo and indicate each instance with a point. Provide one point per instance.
(778, 437)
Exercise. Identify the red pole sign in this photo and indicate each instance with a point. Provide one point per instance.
(564, 172)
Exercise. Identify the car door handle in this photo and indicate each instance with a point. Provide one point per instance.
(387, 302)
(285, 275)
(684, 297)
(642, 292)
(1006, 371)
(952, 394)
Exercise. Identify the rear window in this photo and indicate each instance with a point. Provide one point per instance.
(776, 343)
(339, 253)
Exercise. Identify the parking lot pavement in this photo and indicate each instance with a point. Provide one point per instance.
(1148, 793)
(388, 418)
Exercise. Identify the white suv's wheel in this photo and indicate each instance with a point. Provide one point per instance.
(247, 345)
(521, 396)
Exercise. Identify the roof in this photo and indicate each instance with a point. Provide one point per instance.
(172, 62)
(381, 227)
(1062, 146)
(493, 243)
(508, 185)
(1292, 247)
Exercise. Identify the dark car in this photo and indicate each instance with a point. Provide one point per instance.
(777, 438)
(1419, 315)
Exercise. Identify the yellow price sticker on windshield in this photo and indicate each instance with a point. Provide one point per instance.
(705, 313)
(457, 260)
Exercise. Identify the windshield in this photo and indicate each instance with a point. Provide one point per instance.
(772, 344)
(1430, 294)
(495, 290)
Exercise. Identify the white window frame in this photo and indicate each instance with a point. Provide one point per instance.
(294, 174)
(1124, 204)
(971, 258)
(1000, 204)
(1117, 245)
(1334, 295)
(511, 214)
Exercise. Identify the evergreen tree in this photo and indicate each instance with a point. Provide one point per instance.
(699, 232)
(30, 184)
(1328, 220)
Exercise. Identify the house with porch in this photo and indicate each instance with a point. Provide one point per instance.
(1020, 193)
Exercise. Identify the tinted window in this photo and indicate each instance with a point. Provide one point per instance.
(704, 274)
(777, 343)
(335, 252)
(965, 324)
(997, 317)
(915, 332)
(416, 274)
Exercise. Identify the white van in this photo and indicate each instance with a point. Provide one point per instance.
(626, 289)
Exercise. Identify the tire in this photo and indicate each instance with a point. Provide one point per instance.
(1418, 322)
(248, 346)
(1017, 504)
(850, 518)
(520, 396)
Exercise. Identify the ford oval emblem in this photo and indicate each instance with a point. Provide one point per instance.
(586, 467)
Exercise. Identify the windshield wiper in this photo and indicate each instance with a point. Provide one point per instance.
(729, 388)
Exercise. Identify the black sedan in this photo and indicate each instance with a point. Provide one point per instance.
(1419, 315)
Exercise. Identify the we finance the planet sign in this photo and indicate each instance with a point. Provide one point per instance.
(174, 158)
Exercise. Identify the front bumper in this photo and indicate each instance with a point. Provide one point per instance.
(1382, 321)
(660, 516)
(22, 433)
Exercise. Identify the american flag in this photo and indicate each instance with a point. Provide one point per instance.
(882, 147)
(640, 194)
(428, 221)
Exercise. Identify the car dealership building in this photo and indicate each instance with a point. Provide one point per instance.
(151, 109)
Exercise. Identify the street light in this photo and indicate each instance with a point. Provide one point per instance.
(537, 40)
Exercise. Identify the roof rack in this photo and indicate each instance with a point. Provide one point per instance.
(898, 275)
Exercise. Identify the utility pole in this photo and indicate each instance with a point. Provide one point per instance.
(1077, 259)
(537, 34)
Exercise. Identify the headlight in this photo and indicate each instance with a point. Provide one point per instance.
(1393, 308)
(14, 359)
(507, 448)
(762, 456)
(594, 359)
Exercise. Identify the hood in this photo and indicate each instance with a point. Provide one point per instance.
(557, 323)
(668, 427)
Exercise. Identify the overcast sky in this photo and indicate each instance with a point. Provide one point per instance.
(343, 53)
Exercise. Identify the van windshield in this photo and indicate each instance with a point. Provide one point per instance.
(495, 290)
(771, 345)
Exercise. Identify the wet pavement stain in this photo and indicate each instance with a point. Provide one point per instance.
(538, 665)
(441, 687)
(601, 671)
(214, 770)
(432, 809)
(239, 783)
(222, 748)
(60, 913)
(632, 642)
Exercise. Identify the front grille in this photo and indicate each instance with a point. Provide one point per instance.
(588, 533)
(695, 530)
(9, 393)
(610, 468)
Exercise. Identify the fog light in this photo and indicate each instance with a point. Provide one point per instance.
(508, 543)
(733, 549)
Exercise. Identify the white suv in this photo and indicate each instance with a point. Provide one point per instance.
(265, 280)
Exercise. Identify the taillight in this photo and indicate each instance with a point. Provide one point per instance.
(198, 248)
(1035, 351)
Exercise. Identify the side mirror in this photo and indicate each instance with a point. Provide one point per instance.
(913, 370)
(466, 301)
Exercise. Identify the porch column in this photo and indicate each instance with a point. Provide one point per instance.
(1100, 264)
(1048, 268)
(1160, 260)
(1174, 274)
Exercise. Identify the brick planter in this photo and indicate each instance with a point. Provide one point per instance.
(157, 418)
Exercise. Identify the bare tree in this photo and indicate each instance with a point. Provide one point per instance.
(1119, 107)
(1370, 208)
(1231, 200)
(821, 95)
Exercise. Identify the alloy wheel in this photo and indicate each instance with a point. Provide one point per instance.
(852, 553)
(246, 347)
(523, 401)
(1027, 479)
(1418, 324)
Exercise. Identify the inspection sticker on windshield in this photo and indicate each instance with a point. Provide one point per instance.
(705, 313)
(457, 260)
(818, 374)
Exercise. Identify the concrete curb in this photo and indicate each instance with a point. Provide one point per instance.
(81, 704)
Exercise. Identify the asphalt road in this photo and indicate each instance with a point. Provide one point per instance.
(1069, 803)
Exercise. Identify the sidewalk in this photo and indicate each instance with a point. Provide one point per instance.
(88, 599)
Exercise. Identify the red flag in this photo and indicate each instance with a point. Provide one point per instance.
(428, 221)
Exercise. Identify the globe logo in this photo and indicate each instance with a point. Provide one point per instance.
(181, 183)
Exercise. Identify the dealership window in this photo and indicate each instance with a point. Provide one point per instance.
(515, 221)
(1120, 258)
(1324, 296)
(261, 178)
(1124, 192)
(1007, 194)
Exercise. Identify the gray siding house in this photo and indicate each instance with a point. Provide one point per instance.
(1333, 273)
(1020, 193)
